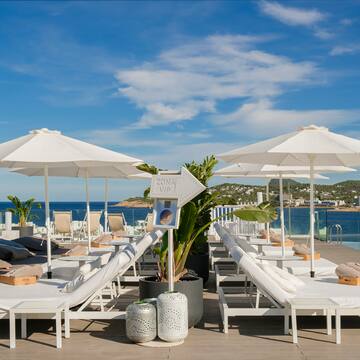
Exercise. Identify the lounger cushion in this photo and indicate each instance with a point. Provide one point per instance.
(78, 280)
(16, 253)
(286, 285)
(5, 253)
(35, 243)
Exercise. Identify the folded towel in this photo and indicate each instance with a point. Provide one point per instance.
(78, 250)
(301, 249)
(344, 270)
(103, 238)
(355, 266)
(263, 234)
(119, 234)
(4, 265)
(26, 270)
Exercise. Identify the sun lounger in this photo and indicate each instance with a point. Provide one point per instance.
(269, 288)
(117, 222)
(297, 267)
(62, 225)
(89, 292)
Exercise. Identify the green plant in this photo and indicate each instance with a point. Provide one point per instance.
(22, 209)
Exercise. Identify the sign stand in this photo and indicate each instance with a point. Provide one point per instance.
(171, 191)
(171, 259)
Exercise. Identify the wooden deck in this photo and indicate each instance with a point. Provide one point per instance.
(248, 338)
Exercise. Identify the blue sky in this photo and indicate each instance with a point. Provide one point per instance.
(169, 82)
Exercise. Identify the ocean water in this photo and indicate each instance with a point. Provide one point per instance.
(132, 215)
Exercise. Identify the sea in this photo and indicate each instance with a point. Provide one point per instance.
(78, 208)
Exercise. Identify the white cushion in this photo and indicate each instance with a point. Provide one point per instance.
(285, 284)
(78, 280)
(298, 283)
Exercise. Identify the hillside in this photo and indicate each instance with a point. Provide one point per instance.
(237, 193)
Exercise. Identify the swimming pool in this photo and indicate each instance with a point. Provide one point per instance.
(353, 244)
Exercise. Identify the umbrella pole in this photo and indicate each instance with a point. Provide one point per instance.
(312, 218)
(268, 199)
(88, 209)
(106, 205)
(47, 221)
(282, 225)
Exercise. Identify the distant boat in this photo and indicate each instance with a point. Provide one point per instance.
(134, 204)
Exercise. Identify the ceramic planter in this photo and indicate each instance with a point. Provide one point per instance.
(172, 316)
(141, 322)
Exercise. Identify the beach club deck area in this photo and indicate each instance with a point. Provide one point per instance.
(248, 337)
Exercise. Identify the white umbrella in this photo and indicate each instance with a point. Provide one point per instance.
(309, 146)
(46, 149)
(270, 172)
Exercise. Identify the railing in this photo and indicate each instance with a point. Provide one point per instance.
(338, 233)
(236, 225)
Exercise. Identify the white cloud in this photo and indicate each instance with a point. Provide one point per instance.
(346, 22)
(261, 118)
(292, 15)
(344, 49)
(191, 79)
(323, 34)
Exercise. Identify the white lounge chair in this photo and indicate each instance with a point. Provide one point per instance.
(62, 225)
(88, 293)
(117, 222)
(268, 287)
(95, 225)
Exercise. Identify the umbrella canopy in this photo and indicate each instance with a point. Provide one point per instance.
(273, 171)
(48, 147)
(309, 146)
(45, 149)
(121, 171)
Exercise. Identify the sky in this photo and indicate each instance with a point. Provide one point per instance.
(171, 82)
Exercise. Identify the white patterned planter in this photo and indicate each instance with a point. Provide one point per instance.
(172, 310)
(141, 322)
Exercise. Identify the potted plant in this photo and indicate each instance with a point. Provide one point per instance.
(194, 221)
(22, 210)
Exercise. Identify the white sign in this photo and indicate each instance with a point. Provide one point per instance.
(183, 186)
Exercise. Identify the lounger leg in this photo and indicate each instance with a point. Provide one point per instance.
(286, 323)
(58, 330)
(12, 329)
(257, 301)
(226, 323)
(67, 323)
(23, 326)
(294, 326)
(328, 322)
(338, 326)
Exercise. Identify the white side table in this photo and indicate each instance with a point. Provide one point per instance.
(34, 307)
(326, 305)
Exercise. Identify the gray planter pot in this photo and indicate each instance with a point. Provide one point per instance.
(190, 286)
(24, 231)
